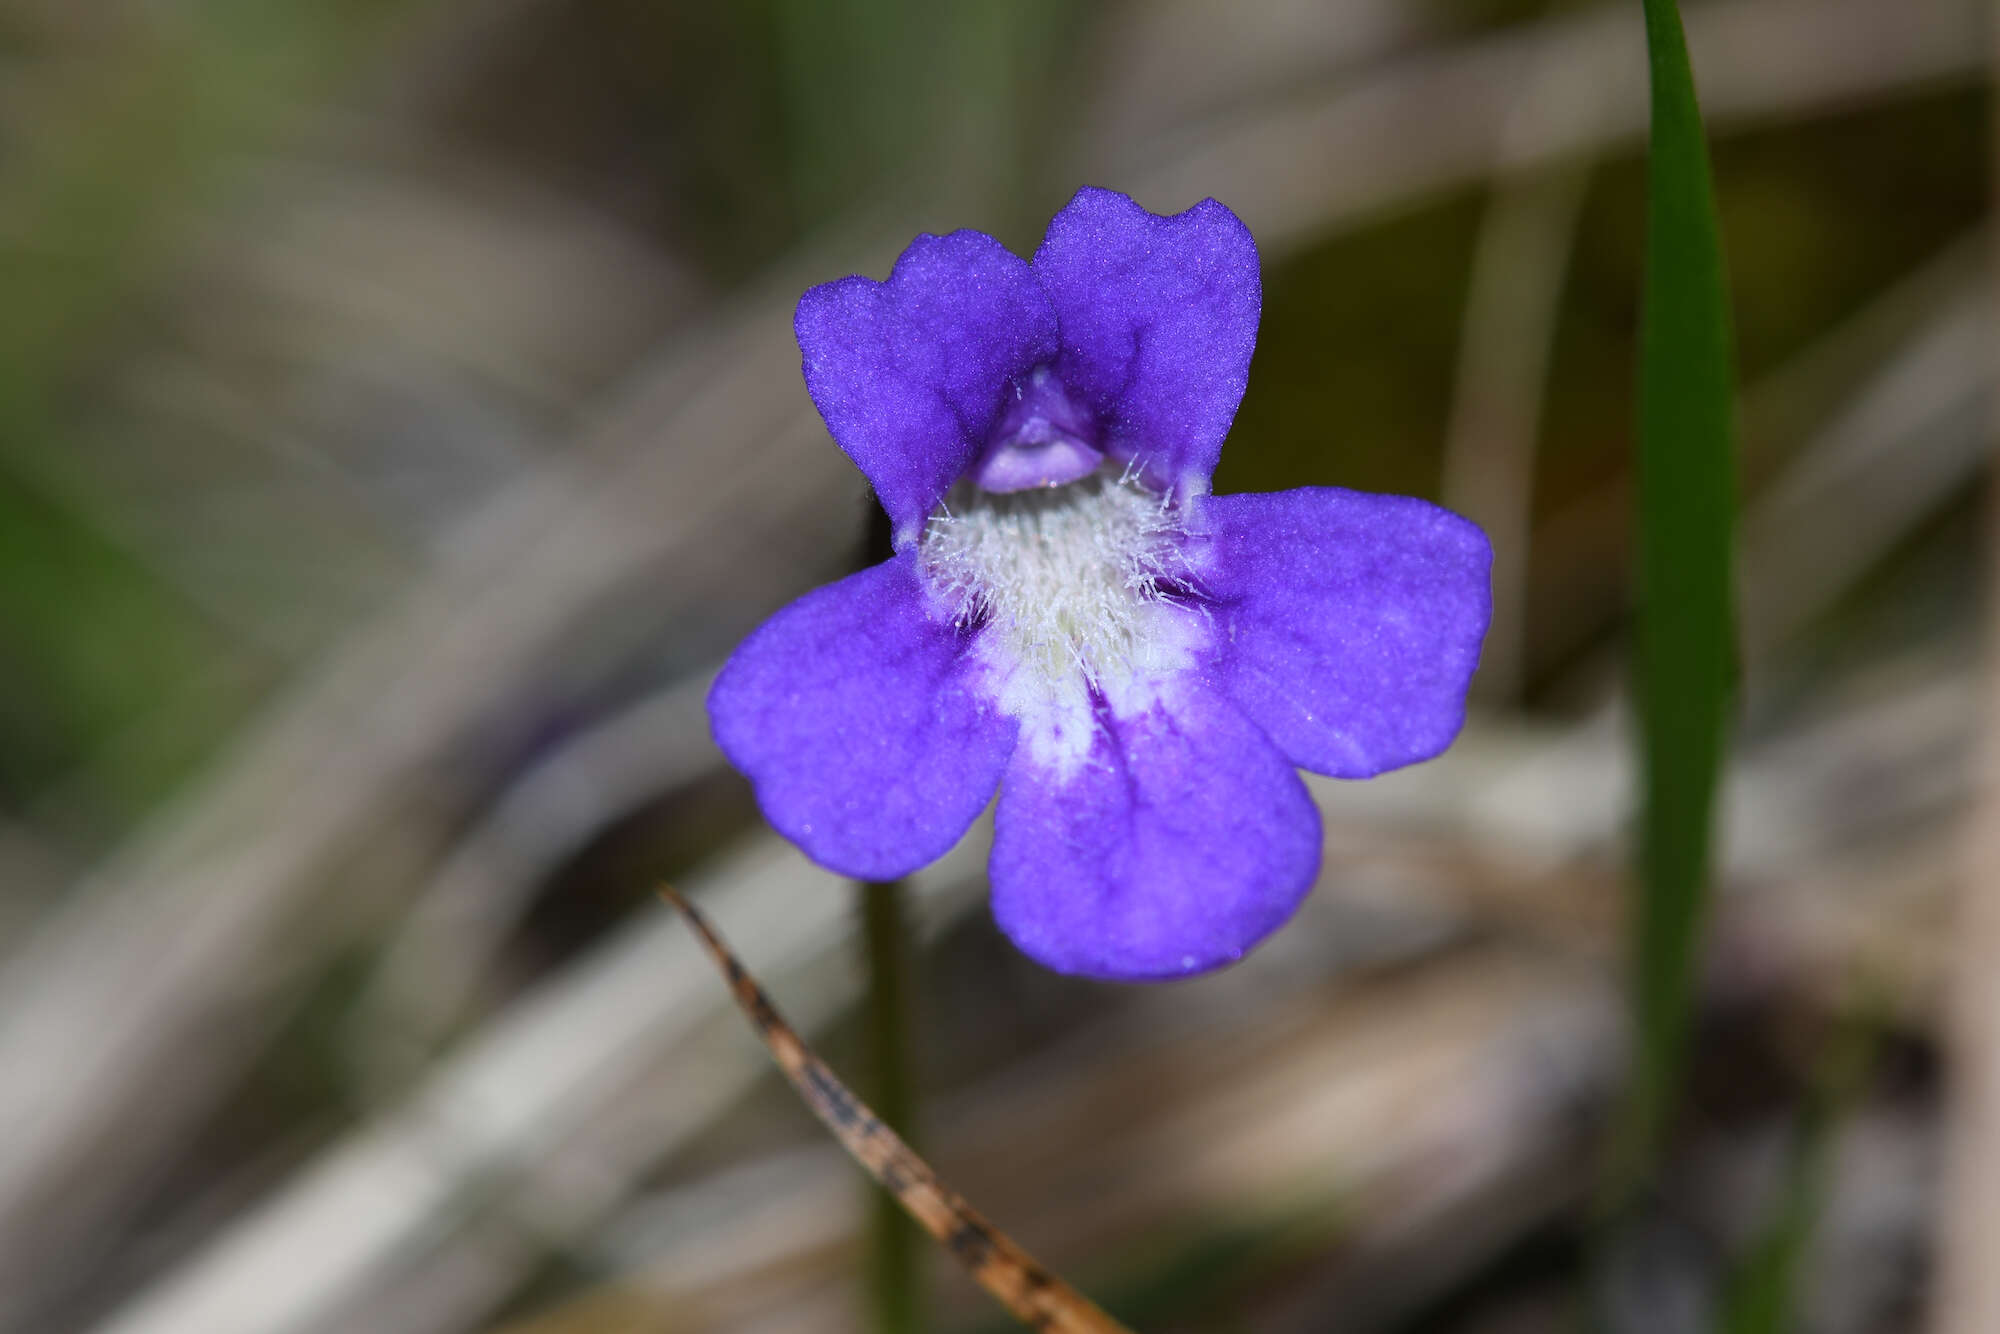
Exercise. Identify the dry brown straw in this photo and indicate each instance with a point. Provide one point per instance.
(1034, 1295)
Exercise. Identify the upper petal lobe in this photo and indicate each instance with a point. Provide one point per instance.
(856, 716)
(1182, 840)
(909, 373)
(1158, 318)
(1347, 624)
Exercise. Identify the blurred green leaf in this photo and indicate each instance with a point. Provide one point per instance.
(129, 684)
(1684, 650)
(951, 98)
(99, 663)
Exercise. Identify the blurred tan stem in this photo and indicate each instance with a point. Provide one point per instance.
(1513, 299)
(1967, 1299)
(1968, 1292)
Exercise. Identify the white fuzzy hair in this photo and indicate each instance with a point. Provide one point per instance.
(1076, 587)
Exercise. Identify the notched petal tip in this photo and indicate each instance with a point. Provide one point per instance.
(1158, 317)
(909, 373)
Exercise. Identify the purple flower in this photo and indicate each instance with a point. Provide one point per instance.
(1138, 666)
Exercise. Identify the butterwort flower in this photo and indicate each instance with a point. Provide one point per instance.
(1138, 666)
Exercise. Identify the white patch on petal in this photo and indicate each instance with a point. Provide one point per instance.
(1076, 588)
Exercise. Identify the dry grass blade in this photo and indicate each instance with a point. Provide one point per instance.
(1030, 1292)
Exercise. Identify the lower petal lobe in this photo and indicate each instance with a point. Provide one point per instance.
(856, 717)
(1348, 624)
(1182, 841)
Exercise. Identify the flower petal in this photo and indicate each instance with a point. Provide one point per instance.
(1158, 318)
(1183, 840)
(856, 717)
(1347, 624)
(909, 373)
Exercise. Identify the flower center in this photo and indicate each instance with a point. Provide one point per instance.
(1043, 438)
(1077, 582)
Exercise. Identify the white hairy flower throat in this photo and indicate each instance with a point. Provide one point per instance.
(1076, 584)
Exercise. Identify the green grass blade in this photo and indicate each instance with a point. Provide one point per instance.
(113, 680)
(1684, 648)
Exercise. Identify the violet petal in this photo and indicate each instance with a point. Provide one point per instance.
(1182, 841)
(1158, 320)
(909, 373)
(1348, 624)
(855, 715)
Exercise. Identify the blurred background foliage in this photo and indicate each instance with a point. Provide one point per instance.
(398, 418)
